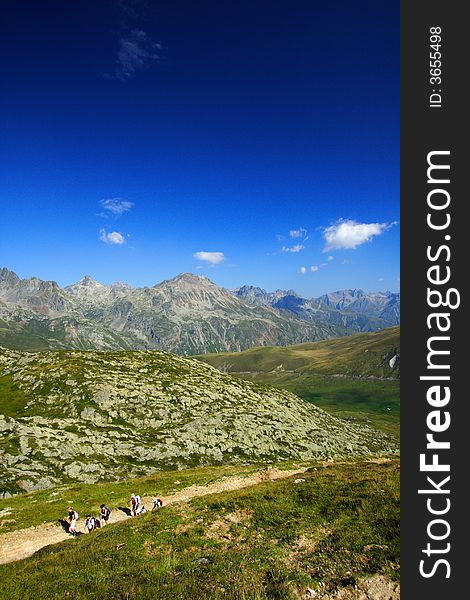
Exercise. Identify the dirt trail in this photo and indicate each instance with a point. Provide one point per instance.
(20, 544)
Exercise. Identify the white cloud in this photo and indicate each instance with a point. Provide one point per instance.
(298, 233)
(303, 270)
(381, 278)
(348, 235)
(116, 206)
(213, 258)
(113, 237)
(330, 258)
(296, 248)
(314, 268)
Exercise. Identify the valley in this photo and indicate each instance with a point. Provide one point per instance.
(350, 377)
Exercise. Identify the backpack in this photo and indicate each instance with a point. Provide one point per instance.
(106, 512)
(137, 499)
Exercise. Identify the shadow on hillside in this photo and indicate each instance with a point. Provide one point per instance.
(125, 510)
(66, 527)
(64, 524)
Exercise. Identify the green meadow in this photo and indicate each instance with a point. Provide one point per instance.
(276, 540)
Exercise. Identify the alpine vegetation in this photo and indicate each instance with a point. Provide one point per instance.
(95, 416)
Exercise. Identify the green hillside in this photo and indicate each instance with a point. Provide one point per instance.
(336, 527)
(350, 377)
(95, 416)
(360, 355)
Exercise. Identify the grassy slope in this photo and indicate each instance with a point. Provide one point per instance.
(272, 540)
(50, 505)
(311, 372)
(356, 355)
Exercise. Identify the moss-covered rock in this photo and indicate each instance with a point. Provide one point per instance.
(93, 416)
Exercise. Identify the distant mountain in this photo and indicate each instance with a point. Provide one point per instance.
(377, 304)
(259, 297)
(188, 314)
(354, 309)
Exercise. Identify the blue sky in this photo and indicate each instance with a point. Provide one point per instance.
(251, 141)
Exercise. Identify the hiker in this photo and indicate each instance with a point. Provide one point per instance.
(156, 503)
(91, 523)
(136, 501)
(140, 508)
(72, 519)
(105, 512)
(134, 504)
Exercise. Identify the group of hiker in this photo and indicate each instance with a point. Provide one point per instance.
(92, 523)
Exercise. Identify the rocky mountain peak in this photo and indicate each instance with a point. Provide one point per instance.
(191, 278)
(89, 282)
(8, 277)
(246, 289)
(188, 283)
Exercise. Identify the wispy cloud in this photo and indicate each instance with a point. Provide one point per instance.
(296, 248)
(314, 268)
(213, 258)
(116, 206)
(348, 234)
(298, 233)
(136, 51)
(330, 258)
(113, 237)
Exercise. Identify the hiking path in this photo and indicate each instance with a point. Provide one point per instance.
(16, 545)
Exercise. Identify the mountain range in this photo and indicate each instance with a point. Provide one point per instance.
(352, 309)
(188, 315)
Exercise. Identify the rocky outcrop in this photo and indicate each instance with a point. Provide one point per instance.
(91, 416)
